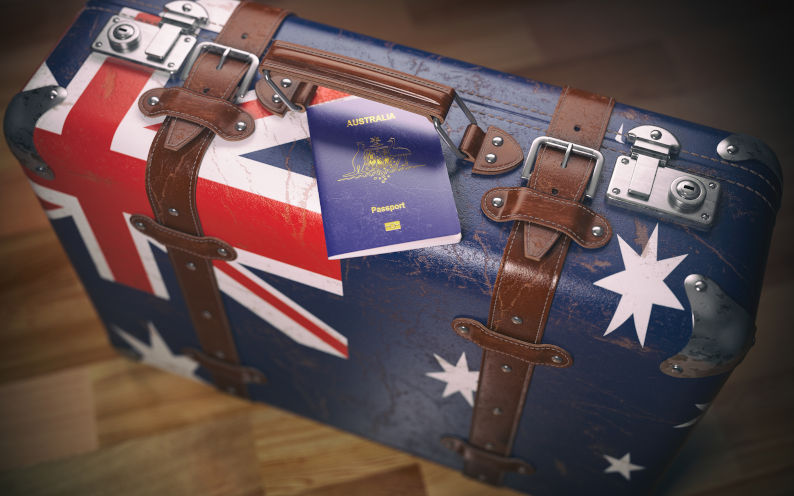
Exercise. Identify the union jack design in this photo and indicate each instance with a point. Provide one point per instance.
(247, 194)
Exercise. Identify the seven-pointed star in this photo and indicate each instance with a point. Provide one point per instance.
(623, 466)
(641, 285)
(157, 354)
(459, 378)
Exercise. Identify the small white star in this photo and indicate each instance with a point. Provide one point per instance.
(621, 466)
(157, 354)
(641, 285)
(459, 378)
(700, 406)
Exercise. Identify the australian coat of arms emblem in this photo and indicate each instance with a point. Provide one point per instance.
(379, 160)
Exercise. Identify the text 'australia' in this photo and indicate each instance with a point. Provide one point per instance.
(370, 119)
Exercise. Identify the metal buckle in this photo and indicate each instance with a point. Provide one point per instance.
(569, 148)
(225, 51)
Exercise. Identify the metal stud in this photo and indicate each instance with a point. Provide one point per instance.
(171, 65)
(190, 266)
(497, 201)
(276, 99)
(53, 94)
(41, 168)
(624, 160)
(223, 252)
(186, 7)
(286, 83)
(153, 100)
(497, 141)
(677, 368)
(597, 231)
(704, 216)
(701, 286)
(507, 368)
(712, 185)
(497, 411)
(556, 359)
(656, 134)
(241, 126)
(490, 158)
(206, 314)
(732, 149)
(140, 225)
(173, 211)
(463, 329)
(615, 191)
(516, 320)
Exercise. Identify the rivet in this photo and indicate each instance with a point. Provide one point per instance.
(700, 285)
(506, 368)
(153, 100)
(41, 168)
(615, 191)
(489, 446)
(677, 368)
(173, 211)
(712, 185)
(286, 83)
(732, 149)
(490, 158)
(190, 266)
(206, 314)
(171, 65)
(276, 99)
(516, 319)
(240, 126)
(463, 329)
(220, 354)
(497, 141)
(140, 225)
(597, 231)
(656, 134)
(188, 39)
(705, 216)
(223, 252)
(497, 201)
(116, 19)
(53, 94)
(186, 7)
(98, 44)
(556, 359)
(497, 411)
(624, 160)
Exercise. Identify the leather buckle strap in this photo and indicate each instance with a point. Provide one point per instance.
(492, 152)
(531, 266)
(225, 51)
(569, 147)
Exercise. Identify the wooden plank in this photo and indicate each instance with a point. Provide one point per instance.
(406, 481)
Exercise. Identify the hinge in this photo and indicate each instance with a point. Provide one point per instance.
(163, 46)
(644, 181)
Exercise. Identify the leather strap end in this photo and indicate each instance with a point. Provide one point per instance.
(298, 92)
(201, 246)
(469, 452)
(535, 354)
(196, 111)
(230, 371)
(497, 152)
(584, 226)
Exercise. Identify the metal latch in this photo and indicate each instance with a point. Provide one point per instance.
(645, 182)
(163, 46)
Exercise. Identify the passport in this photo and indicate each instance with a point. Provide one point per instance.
(382, 179)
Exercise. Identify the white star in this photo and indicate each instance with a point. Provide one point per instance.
(157, 354)
(459, 378)
(622, 466)
(700, 406)
(641, 285)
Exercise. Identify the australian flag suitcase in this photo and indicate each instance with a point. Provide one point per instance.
(564, 346)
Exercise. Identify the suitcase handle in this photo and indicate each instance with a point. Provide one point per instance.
(388, 86)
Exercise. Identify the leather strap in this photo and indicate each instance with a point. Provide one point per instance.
(493, 151)
(171, 175)
(525, 287)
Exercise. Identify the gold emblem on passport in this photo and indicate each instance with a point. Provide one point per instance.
(392, 226)
(379, 160)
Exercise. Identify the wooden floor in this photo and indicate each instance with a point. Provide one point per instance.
(75, 418)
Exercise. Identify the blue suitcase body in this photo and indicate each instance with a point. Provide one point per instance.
(366, 345)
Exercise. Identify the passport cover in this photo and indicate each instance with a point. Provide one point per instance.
(382, 179)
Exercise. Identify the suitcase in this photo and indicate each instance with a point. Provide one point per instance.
(644, 317)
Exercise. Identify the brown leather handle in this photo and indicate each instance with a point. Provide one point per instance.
(349, 75)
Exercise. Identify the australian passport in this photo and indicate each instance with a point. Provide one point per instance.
(382, 179)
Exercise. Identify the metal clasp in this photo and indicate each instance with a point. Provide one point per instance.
(569, 148)
(225, 52)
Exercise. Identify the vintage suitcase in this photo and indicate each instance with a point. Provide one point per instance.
(517, 356)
